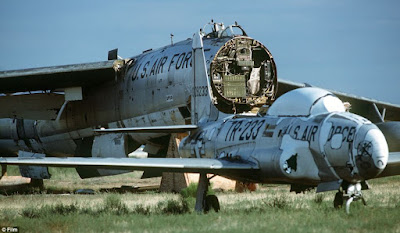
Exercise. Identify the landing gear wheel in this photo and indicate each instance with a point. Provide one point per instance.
(205, 202)
(37, 183)
(211, 202)
(338, 201)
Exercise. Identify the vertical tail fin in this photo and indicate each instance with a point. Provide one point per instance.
(202, 107)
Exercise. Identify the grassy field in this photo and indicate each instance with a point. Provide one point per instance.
(270, 209)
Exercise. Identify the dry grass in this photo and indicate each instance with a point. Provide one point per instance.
(270, 208)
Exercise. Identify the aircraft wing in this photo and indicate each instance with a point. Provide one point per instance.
(151, 129)
(215, 166)
(41, 106)
(374, 110)
(51, 78)
(393, 165)
(39, 93)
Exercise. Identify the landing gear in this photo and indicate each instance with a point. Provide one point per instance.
(338, 201)
(203, 202)
(350, 193)
(37, 183)
(353, 193)
(211, 202)
(3, 170)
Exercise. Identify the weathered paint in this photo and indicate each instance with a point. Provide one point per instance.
(152, 89)
(317, 148)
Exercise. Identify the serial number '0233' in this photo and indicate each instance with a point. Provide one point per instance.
(244, 130)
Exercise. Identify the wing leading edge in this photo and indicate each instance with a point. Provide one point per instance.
(39, 93)
(215, 166)
(150, 129)
(55, 77)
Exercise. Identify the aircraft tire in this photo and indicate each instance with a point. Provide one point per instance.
(338, 201)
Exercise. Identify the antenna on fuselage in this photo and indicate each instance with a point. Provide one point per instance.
(172, 37)
(113, 54)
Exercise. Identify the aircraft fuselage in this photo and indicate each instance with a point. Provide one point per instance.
(154, 90)
(305, 149)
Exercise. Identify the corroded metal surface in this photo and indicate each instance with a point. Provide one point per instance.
(50, 78)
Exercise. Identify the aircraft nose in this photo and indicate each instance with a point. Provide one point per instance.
(370, 152)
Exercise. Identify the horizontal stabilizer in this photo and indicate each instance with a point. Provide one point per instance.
(215, 166)
(151, 129)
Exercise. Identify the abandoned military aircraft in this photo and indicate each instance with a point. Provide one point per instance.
(221, 88)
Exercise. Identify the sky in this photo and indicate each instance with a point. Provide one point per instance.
(348, 46)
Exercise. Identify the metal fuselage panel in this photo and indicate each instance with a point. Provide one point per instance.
(150, 93)
(158, 80)
(306, 150)
(161, 80)
(155, 90)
